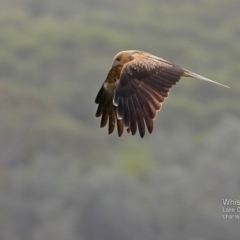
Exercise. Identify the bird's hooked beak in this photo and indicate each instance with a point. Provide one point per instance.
(115, 63)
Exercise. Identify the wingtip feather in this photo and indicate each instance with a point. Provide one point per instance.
(194, 75)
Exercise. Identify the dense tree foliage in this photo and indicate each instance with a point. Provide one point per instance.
(62, 177)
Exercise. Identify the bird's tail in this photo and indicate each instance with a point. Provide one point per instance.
(194, 75)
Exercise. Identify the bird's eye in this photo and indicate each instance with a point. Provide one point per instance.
(118, 59)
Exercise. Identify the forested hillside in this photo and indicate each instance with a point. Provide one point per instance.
(62, 177)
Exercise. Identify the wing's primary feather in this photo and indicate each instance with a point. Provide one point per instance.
(106, 110)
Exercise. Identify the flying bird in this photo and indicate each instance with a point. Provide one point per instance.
(134, 90)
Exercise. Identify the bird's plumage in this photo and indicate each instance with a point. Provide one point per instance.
(134, 90)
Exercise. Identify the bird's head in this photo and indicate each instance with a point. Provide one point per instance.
(122, 57)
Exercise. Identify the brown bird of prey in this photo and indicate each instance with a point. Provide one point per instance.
(135, 88)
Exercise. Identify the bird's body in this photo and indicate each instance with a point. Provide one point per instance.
(135, 88)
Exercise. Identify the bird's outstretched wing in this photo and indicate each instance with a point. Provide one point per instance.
(144, 84)
(104, 99)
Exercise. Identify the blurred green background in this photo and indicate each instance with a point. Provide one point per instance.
(62, 177)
